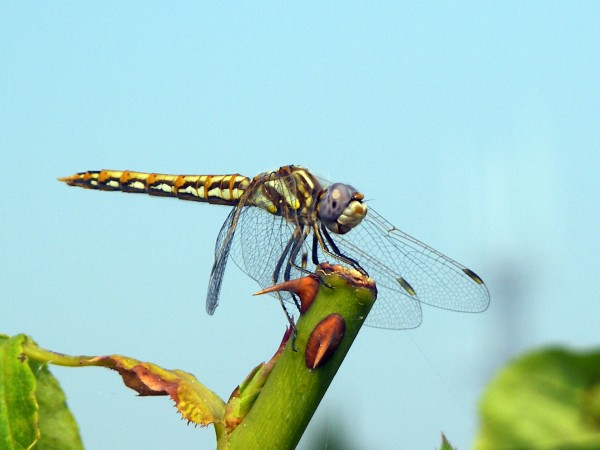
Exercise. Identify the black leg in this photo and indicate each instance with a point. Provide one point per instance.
(336, 251)
(294, 254)
(315, 248)
(275, 278)
(299, 237)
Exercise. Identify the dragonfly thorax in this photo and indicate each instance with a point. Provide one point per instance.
(341, 208)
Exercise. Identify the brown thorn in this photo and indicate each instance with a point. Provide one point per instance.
(324, 340)
(305, 288)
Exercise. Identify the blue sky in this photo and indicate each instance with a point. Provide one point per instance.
(474, 128)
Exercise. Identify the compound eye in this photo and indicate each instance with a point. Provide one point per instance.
(334, 201)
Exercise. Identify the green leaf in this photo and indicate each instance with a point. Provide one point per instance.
(547, 399)
(18, 407)
(32, 405)
(57, 425)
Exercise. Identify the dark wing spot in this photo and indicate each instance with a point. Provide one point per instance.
(472, 275)
(407, 287)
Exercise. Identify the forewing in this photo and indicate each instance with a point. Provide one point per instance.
(388, 255)
(395, 308)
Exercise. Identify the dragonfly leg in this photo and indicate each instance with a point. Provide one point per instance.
(294, 253)
(281, 260)
(315, 258)
(275, 278)
(336, 253)
(299, 236)
(315, 248)
(304, 260)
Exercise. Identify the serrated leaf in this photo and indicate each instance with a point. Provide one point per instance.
(194, 401)
(547, 399)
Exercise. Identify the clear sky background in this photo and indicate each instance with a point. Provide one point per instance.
(475, 128)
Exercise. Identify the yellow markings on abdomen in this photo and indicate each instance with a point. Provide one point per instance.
(220, 189)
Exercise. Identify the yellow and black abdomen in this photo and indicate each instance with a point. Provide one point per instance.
(217, 189)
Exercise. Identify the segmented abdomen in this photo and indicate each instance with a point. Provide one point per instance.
(218, 189)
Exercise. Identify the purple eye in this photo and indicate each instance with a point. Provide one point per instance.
(334, 202)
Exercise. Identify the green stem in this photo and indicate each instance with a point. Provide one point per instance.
(39, 354)
(293, 392)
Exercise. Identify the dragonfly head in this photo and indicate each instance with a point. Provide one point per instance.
(341, 208)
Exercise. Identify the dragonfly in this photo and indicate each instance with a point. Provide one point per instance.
(283, 223)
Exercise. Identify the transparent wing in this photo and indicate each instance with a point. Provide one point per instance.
(259, 242)
(256, 240)
(222, 249)
(387, 253)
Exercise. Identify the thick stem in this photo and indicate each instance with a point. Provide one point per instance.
(293, 392)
